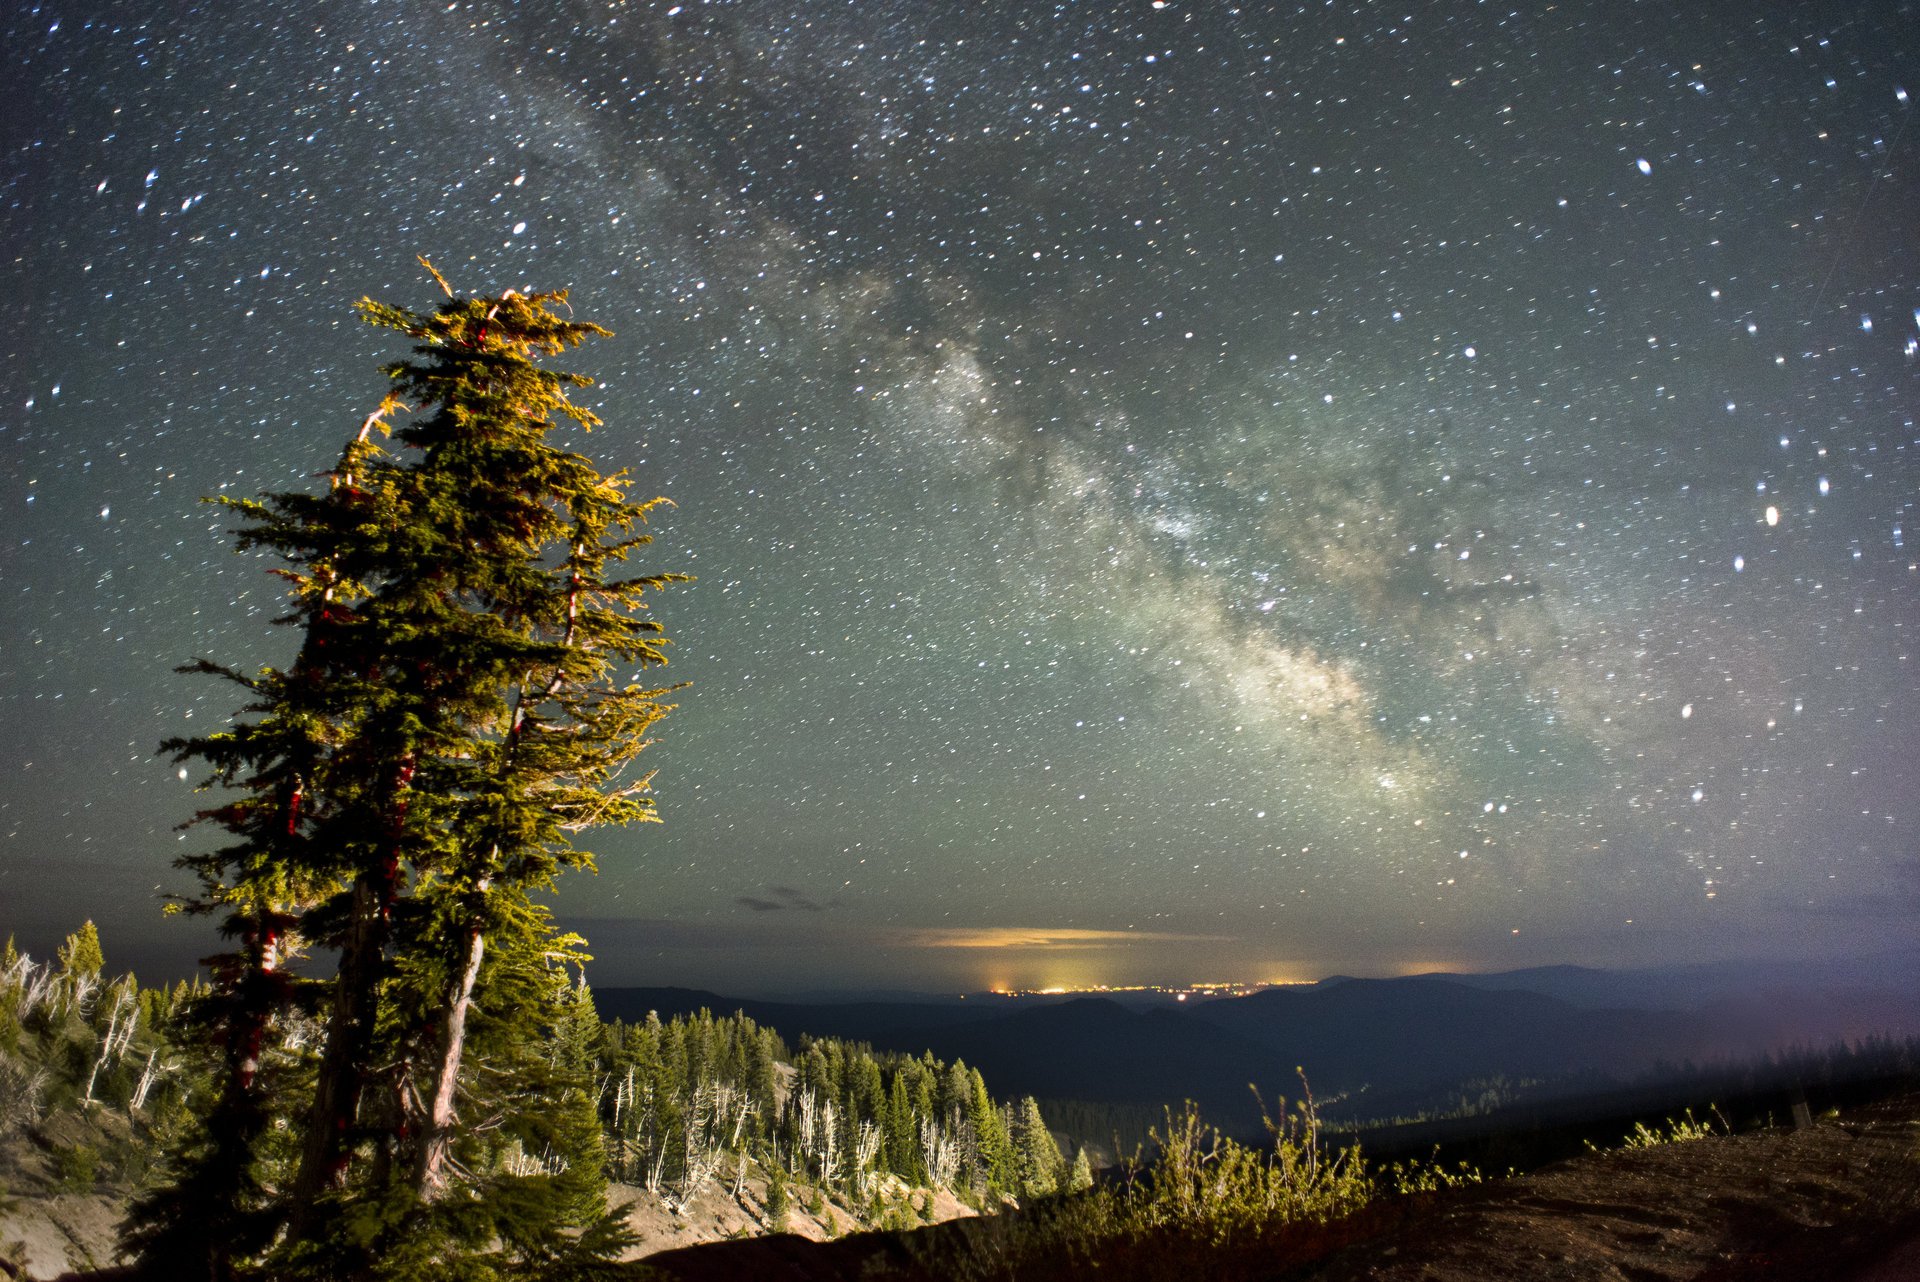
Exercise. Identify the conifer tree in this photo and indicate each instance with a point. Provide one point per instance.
(457, 709)
(80, 953)
(1080, 1177)
(779, 1198)
(998, 1163)
(902, 1135)
(1036, 1152)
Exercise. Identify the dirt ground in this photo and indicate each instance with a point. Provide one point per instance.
(1836, 1200)
(716, 1216)
(46, 1230)
(48, 1236)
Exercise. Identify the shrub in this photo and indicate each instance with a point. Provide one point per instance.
(1204, 1191)
(779, 1199)
(76, 1169)
(1677, 1132)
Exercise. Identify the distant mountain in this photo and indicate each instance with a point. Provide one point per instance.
(1696, 987)
(1097, 1049)
(1401, 1034)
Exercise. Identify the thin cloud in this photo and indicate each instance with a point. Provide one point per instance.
(781, 898)
(1063, 937)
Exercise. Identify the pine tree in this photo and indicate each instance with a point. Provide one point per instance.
(902, 1130)
(1080, 1178)
(456, 711)
(1036, 1153)
(779, 1198)
(80, 953)
(997, 1160)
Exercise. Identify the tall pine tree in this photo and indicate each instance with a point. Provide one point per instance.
(461, 704)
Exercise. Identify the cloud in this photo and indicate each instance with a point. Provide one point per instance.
(1058, 937)
(782, 898)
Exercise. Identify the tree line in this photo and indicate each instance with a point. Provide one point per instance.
(673, 1108)
(703, 1097)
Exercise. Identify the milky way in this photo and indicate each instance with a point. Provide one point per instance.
(1177, 490)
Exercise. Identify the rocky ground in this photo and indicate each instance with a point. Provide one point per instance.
(52, 1217)
(715, 1215)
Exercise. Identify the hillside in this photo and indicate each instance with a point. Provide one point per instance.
(1838, 1199)
(695, 1127)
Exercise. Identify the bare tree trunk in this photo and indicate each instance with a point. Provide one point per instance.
(435, 1129)
(148, 1075)
(114, 1042)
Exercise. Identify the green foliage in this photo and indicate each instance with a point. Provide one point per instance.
(1204, 1191)
(460, 706)
(80, 954)
(1430, 1176)
(1677, 1132)
(72, 1039)
(76, 1168)
(779, 1199)
(1042, 1169)
(686, 1098)
(1216, 1190)
(1080, 1178)
(996, 1166)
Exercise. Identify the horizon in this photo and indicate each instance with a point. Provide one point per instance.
(1866, 970)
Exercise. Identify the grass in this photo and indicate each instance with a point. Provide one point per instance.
(1676, 1131)
(1249, 1209)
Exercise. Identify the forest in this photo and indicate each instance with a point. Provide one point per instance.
(118, 1076)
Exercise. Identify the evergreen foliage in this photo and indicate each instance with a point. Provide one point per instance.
(679, 1107)
(689, 1098)
(779, 1198)
(1080, 1177)
(80, 955)
(1042, 1170)
(95, 1056)
(457, 710)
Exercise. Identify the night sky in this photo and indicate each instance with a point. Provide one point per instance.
(1178, 491)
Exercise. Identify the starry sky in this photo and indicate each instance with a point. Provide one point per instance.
(1179, 490)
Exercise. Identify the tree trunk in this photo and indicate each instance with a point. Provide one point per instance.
(343, 1064)
(435, 1131)
(239, 1117)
